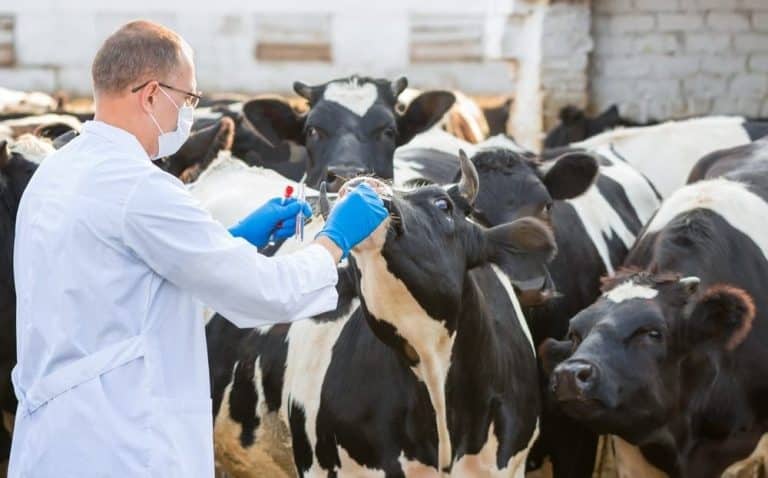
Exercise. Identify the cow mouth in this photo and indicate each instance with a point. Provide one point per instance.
(381, 187)
(582, 408)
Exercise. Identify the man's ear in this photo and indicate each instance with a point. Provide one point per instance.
(275, 119)
(723, 316)
(423, 112)
(552, 352)
(571, 174)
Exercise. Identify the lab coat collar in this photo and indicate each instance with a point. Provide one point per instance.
(113, 134)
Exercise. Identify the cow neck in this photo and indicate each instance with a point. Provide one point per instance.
(388, 299)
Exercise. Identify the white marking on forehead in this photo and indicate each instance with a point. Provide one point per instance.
(629, 290)
(355, 97)
(731, 200)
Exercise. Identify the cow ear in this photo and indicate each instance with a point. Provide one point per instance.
(423, 112)
(570, 175)
(274, 117)
(552, 352)
(5, 153)
(609, 116)
(201, 148)
(522, 250)
(723, 315)
(571, 114)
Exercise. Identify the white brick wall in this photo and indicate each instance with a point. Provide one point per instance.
(680, 57)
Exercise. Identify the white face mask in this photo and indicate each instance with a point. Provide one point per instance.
(170, 142)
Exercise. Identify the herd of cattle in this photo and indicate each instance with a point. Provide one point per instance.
(518, 312)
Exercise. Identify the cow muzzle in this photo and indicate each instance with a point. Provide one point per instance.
(574, 380)
(336, 177)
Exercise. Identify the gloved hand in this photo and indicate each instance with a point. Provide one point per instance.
(354, 218)
(271, 218)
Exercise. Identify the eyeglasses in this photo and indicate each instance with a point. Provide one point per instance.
(191, 99)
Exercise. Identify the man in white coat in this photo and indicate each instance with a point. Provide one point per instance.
(113, 261)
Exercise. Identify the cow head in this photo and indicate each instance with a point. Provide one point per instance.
(517, 184)
(352, 126)
(643, 349)
(575, 126)
(414, 273)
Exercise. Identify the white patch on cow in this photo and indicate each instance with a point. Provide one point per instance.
(32, 147)
(667, 152)
(389, 300)
(13, 101)
(349, 468)
(629, 290)
(407, 170)
(230, 189)
(731, 200)
(504, 279)
(601, 222)
(416, 469)
(637, 188)
(310, 348)
(354, 96)
(438, 140)
(484, 462)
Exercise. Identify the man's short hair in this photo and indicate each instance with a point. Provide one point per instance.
(138, 51)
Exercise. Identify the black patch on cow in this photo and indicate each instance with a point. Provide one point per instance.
(755, 129)
(222, 339)
(302, 451)
(243, 400)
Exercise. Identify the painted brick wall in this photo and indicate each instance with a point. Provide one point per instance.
(674, 58)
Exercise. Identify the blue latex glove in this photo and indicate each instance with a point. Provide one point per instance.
(354, 218)
(274, 217)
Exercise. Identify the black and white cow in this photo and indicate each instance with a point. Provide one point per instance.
(665, 358)
(352, 126)
(426, 365)
(666, 153)
(596, 205)
(15, 173)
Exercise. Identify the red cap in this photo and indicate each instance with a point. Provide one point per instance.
(288, 191)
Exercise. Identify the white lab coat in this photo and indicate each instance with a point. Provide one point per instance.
(111, 258)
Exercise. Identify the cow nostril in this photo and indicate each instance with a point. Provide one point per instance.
(585, 374)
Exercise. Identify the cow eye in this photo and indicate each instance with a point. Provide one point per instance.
(443, 204)
(654, 334)
(387, 133)
(314, 133)
(548, 207)
(648, 332)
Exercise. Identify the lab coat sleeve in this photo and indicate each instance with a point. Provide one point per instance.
(168, 229)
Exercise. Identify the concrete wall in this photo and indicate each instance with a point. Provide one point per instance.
(235, 41)
(673, 58)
